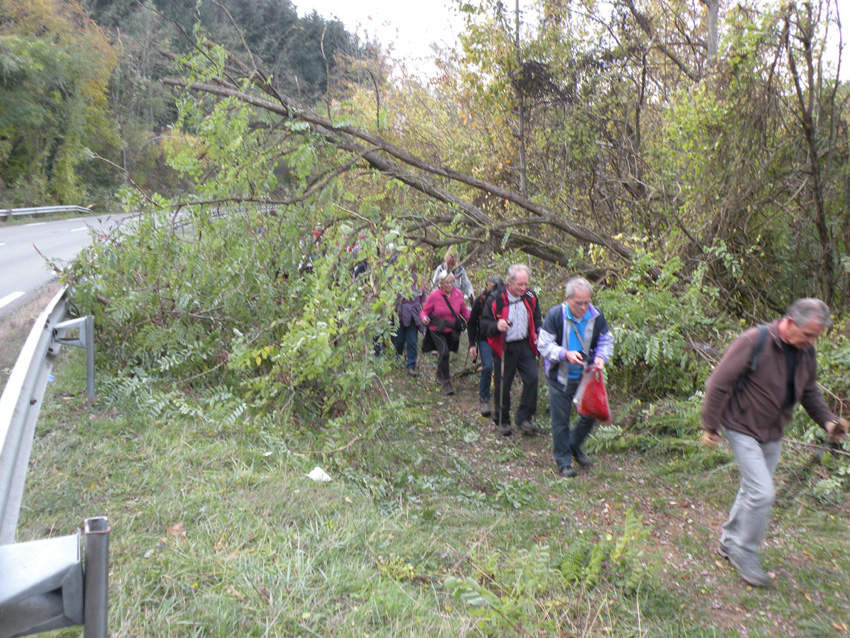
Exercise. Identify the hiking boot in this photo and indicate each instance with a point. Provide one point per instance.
(748, 568)
(485, 407)
(527, 428)
(581, 458)
(448, 388)
(504, 429)
(566, 471)
(722, 549)
(412, 372)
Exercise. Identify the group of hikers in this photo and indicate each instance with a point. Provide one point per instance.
(749, 397)
(507, 332)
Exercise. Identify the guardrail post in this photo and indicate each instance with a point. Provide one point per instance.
(84, 339)
(90, 357)
(96, 610)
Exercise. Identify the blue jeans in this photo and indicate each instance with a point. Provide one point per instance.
(486, 354)
(407, 336)
(565, 440)
(747, 523)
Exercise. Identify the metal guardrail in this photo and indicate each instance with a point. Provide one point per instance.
(44, 585)
(5, 213)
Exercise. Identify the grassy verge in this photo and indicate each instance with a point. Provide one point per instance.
(432, 525)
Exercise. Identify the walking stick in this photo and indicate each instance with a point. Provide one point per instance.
(502, 380)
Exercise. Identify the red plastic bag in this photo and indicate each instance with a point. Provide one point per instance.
(593, 401)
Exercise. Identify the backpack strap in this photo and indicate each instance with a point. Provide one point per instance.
(460, 324)
(452, 310)
(754, 358)
(585, 347)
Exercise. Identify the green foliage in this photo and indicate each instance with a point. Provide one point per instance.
(258, 299)
(396, 568)
(504, 598)
(517, 494)
(656, 320)
(231, 306)
(831, 490)
(620, 561)
(833, 353)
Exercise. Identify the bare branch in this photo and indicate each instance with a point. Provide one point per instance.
(341, 136)
(645, 23)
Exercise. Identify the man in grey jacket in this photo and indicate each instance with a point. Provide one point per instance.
(575, 335)
(752, 407)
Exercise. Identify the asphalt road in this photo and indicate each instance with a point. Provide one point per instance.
(23, 271)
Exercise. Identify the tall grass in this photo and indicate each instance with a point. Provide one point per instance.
(431, 526)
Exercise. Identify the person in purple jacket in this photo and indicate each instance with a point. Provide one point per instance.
(442, 313)
(410, 323)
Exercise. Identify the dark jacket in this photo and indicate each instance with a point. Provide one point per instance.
(757, 408)
(497, 308)
(474, 327)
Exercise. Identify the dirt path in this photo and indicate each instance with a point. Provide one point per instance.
(684, 526)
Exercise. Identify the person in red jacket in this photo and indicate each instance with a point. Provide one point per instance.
(511, 323)
(752, 407)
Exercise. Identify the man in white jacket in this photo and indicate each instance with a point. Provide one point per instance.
(462, 282)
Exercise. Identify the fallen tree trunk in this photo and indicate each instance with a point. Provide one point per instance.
(375, 155)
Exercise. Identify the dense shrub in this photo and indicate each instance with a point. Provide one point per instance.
(663, 323)
(249, 301)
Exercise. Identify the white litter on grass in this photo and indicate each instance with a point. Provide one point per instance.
(318, 474)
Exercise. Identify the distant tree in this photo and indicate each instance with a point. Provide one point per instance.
(297, 53)
(55, 65)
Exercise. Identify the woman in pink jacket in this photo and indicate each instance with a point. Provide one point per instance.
(445, 313)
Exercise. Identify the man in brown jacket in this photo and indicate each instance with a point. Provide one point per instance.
(753, 407)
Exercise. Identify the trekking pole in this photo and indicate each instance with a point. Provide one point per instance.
(502, 379)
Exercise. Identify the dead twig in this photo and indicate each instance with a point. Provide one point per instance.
(822, 449)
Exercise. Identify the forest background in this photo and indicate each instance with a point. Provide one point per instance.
(689, 158)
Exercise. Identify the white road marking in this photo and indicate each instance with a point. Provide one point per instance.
(35, 224)
(77, 230)
(2, 243)
(10, 298)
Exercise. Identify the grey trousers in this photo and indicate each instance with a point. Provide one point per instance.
(747, 524)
